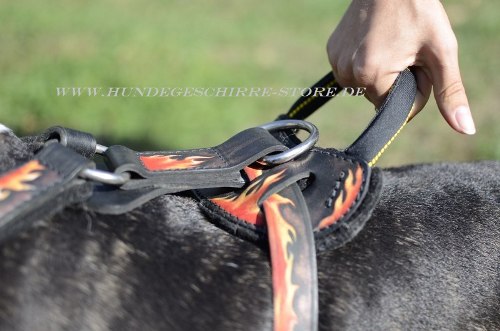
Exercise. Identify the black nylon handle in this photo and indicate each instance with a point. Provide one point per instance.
(389, 120)
(306, 105)
(383, 128)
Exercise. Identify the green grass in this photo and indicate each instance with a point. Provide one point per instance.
(47, 44)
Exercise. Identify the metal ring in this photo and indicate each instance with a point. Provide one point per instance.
(293, 152)
(105, 177)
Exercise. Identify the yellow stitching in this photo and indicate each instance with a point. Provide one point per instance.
(375, 159)
(304, 103)
(307, 101)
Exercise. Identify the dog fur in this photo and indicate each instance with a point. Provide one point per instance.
(428, 259)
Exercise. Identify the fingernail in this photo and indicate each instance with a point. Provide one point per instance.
(465, 121)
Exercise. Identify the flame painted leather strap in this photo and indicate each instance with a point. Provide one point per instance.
(293, 260)
(158, 173)
(196, 168)
(41, 187)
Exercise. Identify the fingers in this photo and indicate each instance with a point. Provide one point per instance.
(377, 83)
(371, 46)
(449, 91)
(364, 71)
(424, 88)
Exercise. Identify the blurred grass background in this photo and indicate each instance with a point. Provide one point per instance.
(54, 43)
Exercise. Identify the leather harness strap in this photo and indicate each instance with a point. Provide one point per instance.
(293, 259)
(319, 199)
(41, 186)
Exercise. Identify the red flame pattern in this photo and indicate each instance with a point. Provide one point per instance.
(171, 162)
(245, 206)
(281, 235)
(346, 198)
(16, 180)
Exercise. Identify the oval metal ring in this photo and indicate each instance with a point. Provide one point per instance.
(293, 152)
(105, 177)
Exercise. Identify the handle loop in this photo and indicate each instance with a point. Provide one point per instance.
(391, 117)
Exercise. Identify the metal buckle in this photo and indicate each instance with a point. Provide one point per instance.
(301, 148)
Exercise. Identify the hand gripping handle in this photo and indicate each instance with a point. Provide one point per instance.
(383, 128)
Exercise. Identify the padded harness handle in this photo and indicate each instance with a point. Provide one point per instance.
(391, 117)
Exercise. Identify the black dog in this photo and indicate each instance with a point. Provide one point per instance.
(427, 260)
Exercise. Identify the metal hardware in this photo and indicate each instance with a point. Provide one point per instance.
(100, 149)
(105, 177)
(301, 148)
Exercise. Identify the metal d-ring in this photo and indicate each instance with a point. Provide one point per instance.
(293, 152)
(105, 177)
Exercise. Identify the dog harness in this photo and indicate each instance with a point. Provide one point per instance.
(263, 185)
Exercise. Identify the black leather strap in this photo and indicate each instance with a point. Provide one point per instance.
(196, 168)
(111, 200)
(158, 173)
(41, 187)
(81, 142)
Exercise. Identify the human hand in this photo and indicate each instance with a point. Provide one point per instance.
(377, 39)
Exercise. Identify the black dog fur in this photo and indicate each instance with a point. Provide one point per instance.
(427, 260)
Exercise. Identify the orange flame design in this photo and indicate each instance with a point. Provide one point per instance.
(252, 173)
(281, 235)
(245, 206)
(15, 180)
(171, 162)
(344, 201)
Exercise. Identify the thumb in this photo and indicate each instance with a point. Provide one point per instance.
(450, 96)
